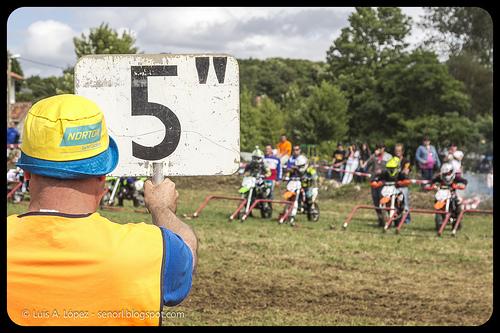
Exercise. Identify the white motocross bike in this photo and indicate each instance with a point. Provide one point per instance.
(296, 192)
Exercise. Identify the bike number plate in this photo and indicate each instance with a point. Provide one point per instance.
(387, 191)
(293, 185)
(443, 194)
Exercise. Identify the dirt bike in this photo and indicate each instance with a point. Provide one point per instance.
(392, 198)
(253, 188)
(122, 188)
(296, 192)
(446, 200)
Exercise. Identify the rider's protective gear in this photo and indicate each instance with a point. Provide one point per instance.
(393, 166)
(301, 163)
(447, 173)
(258, 155)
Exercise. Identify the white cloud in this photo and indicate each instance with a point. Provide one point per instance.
(242, 32)
(49, 40)
(291, 32)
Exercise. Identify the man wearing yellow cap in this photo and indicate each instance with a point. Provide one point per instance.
(66, 264)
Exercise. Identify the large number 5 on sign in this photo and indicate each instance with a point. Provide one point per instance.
(180, 110)
(142, 107)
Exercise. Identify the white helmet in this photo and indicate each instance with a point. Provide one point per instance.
(458, 155)
(301, 163)
(257, 155)
(447, 172)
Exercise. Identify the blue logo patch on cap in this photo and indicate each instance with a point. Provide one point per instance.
(81, 135)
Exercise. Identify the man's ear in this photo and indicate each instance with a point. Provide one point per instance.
(27, 175)
(101, 190)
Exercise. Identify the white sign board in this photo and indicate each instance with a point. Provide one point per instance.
(179, 110)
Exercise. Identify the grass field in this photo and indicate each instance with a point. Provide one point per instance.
(262, 273)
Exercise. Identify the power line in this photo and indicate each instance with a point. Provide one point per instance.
(40, 63)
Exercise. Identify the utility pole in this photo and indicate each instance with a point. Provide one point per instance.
(9, 82)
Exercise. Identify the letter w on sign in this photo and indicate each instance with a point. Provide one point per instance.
(179, 110)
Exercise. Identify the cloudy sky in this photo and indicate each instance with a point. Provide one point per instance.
(43, 36)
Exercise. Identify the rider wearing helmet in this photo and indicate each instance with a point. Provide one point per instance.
(392, 173)
(300, 168)
(308, 176)
(448, 177)
(257, 166)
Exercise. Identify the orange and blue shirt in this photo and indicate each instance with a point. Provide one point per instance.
(61, 263)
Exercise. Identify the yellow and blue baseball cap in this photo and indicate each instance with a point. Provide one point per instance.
(65, 137)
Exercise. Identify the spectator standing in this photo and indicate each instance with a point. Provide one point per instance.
(352, 163)
(284, 150)
(274, 164)
(338, 162)
(427, 158)
(364, 155)
(295, 153)
(375, 166)
(13, 136)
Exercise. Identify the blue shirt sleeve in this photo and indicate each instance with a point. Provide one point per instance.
(177, 270)
(280, 170)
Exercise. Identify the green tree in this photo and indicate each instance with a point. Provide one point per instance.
(250, 120)
(416, 85)
(461, 29)
(442, 129)
(478, 81)
(100, 40)
(66, 82)
(16, 67)
(272, 77)
(104, 40)
(272, 120)
(39, 88)
(374, 38)
(484, 124)
(321, 118)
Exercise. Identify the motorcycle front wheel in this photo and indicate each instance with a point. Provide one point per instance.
(17, 197)
(105, 200)
(266, 211)
(438, 219)
(138, 201)
(313, 212)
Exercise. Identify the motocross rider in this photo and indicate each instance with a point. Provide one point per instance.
(308, 176)
(128, 184)
(448, 177)
(257, 167)
(375, 166)
(392, 173)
